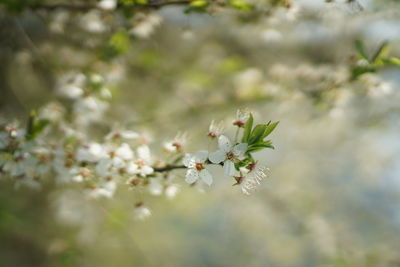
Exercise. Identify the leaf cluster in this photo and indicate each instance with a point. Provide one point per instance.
(255, 136)
(374, 61)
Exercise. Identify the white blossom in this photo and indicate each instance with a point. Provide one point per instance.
(196, 168)
(141, 212)
(107, 4)
(227, 153)
(171, 190)
(90, 153)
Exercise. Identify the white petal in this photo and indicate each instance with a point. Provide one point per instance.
(239, 149)
(229, 168)
(191, 176)
(103, 166)
(188, 161)
(125, 152)
(146, 170)
(129, 134)
(206, 176)
(224, 143)
(155, 188)
(217, 156)
(201, 156)
(132, 168)
(144, 153)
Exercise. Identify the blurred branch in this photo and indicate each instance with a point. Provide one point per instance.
(82, 7)
(168, 168)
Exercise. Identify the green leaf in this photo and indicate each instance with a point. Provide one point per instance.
(142, 2)
(270, 128)
(257, 133)
(382, 51)
(391, 61)
(357, 71)
(198, 4)
(247, 129)
(241, 5)
(260, 146)
(35, 127)
(361, 49)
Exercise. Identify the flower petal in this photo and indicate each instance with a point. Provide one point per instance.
(201, 156)
(132, 168)
(191, 176)
(146, 170)
(217, 156)
(224, 143)
(229, 168)
(206, 176)
(188, 161)
(240, 149)
(144, 153)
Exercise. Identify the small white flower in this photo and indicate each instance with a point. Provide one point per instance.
(177, 144)
(172, 190)
(241, 117)
(155, 187)
(52, 111)
(124, 134)
(107, 4)
(107, 189)
(70, 85)
(92, 22)
(196, 169)
(124, 152)
(142, 165)
(141, 212)
(146, 26)
(227, 153)
(91, 153)
(215, 129)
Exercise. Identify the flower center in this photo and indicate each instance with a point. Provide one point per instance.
(230, 155)
(239, 123)
(140, 163)
(199, 166)
(177, 145)
(212, 134)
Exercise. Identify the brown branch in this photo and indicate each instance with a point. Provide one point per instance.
(168, 168)
(82, 7)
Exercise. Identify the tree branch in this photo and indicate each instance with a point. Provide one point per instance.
(168, 168)
(82, 7)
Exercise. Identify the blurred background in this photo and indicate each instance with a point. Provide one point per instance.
(332, 194)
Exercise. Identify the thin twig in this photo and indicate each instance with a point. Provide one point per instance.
(168, 168)
(82, 7)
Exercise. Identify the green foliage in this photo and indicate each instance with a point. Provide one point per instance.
(17, 6)
(247, 129)
(241, 5)
(197, 6)
(118, 44)
(254, 137)
(373, 62)
(35, 126)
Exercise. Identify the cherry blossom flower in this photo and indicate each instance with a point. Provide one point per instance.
(177, 144)
(171, 190)
(141, 165)
(227, 153)
(141, 212)
(241, 117)
(196, 168)
(123, 134)
(215, 129)
(90, 153)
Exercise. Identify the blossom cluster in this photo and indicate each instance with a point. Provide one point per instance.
(55, 143)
